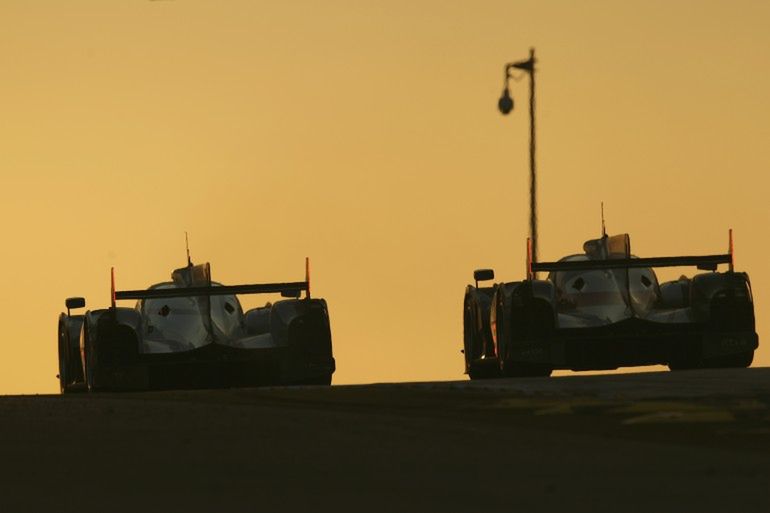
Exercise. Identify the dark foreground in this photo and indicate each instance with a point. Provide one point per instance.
(689, 441)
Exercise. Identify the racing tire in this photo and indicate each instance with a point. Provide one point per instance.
(325, 380)
(483, 370)
(91, 362)
(686, 358)
(733, 361)
(681, 365)
(64, 363)
(508, 368)
(470, 342)
(524, 370)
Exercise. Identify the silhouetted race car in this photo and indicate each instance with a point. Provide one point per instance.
(191, 333)
(605, 309)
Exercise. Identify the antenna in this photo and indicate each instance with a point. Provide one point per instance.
(604, 228)
(112, 287)
(187, 246)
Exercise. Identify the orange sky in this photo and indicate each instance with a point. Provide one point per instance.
(365, 135)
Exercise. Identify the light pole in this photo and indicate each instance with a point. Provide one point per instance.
(505, 104)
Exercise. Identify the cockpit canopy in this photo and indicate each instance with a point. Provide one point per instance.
(183, 323)
(609, 294)
(191, 321)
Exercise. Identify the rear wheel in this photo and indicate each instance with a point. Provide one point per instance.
(471, 347)
(91, 362)
(475, 366)
(739, 361)
(537, 325)
(685, 360)
(524, 370)
(64, 374)
(325, 380)
(484, 369)
(732, 361)
(681, 364)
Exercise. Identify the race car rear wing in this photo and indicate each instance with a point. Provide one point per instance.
(288, 289)
(705, 262)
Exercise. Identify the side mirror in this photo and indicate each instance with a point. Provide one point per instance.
(483, 275)
(75, 302)
(294, 294)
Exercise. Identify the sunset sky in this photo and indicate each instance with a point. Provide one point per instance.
(365, 135)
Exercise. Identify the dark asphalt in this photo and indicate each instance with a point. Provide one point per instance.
(688, 441)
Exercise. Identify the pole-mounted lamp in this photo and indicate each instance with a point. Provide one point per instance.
(505, 104)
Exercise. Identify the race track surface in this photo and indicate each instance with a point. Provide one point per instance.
(686, 441)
